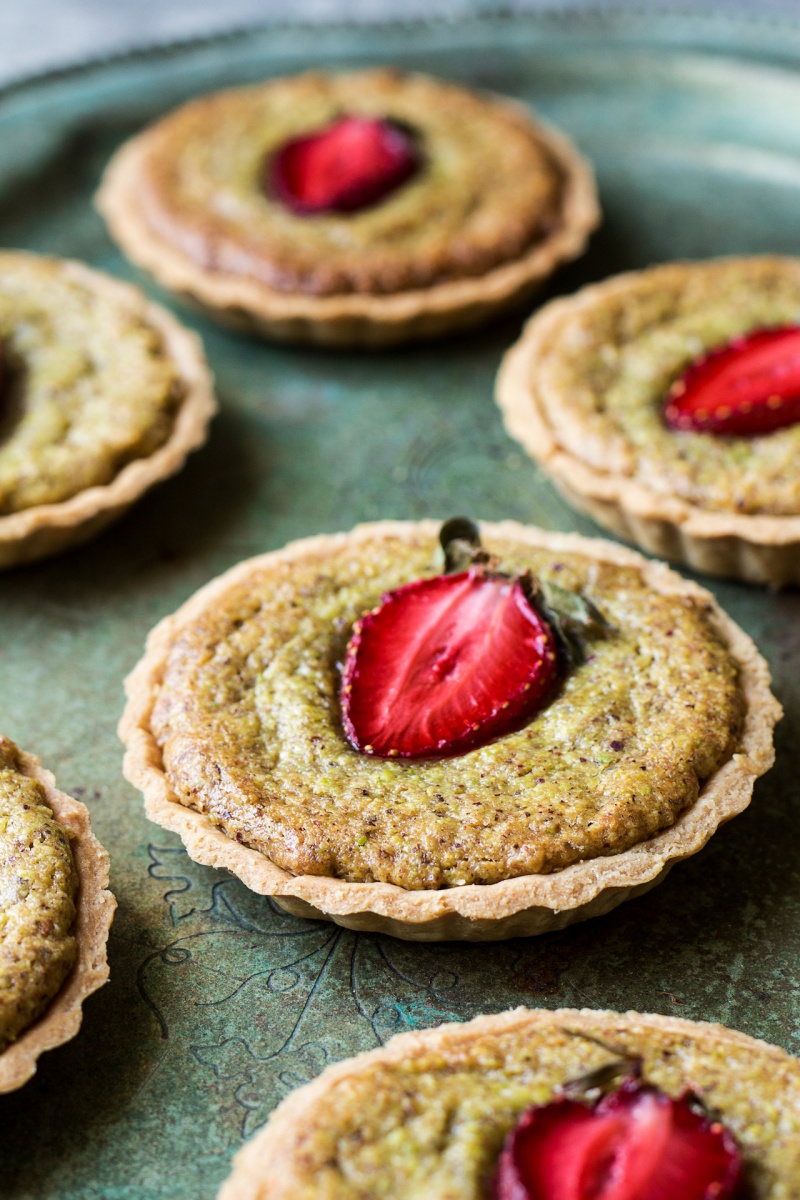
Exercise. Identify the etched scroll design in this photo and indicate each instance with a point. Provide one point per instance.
(263, 1000)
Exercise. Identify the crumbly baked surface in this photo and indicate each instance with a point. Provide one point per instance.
(94, 909)
(248, 723)
(490, 186)
(427, 1114)
(38, 887)
(611, 353)
(87, 385)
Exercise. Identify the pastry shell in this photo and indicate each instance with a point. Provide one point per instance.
(45, 529)
(267, 1161)
(755, 549)
(95, 907)
(516, 907)
(353, 319)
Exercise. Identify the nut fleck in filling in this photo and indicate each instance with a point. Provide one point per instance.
(250, 727)
(38, 886)
(86, 386)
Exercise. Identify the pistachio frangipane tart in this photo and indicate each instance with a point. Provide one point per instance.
(55, 914)
(248, 727)
(666, 404)
(528, 1105)
(363, 208)
(102, 395)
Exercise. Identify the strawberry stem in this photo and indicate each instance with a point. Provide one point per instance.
(571, 617)
(445, 664)
(460, 540)
(599, 1078)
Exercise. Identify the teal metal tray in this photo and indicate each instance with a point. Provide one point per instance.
(218, 1002)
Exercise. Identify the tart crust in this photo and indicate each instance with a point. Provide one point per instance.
(95, 907)
(278, 1161)
(352, 318)
(45, 529)
(514, 907)
(754, 548)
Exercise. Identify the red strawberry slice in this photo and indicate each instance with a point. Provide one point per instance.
(635, 1144)
(446, 664)
(353, 163)
(748, 387)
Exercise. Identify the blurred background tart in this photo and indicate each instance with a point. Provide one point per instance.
(666, 404)
(360, 208)
(102, 395)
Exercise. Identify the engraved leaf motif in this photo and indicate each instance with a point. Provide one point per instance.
(189, 892)
(196, 891)
(263, 1000)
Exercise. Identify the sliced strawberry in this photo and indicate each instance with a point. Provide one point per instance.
(446, 664)
(353, 163)
(748, 387)
(637, 1143)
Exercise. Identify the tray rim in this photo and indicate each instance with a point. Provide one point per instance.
(597, 18)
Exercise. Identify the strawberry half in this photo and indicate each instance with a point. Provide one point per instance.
(636, 1143)
(446, 664)
(748, 387)
(353, 163)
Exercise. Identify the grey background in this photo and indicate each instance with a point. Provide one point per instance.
(38, 34)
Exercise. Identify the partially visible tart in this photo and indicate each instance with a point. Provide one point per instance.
(363, 208)
(102, 395)
(666, 404)
(55, 914)
(627, 762)
(427, 1115)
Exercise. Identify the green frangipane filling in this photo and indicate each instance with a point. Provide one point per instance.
(248, 717)
(38, 885)
(433, 1126)
(486, 190)
(606, 373)
(86, 385)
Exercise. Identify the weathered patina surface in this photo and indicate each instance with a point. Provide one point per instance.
(218, 1003)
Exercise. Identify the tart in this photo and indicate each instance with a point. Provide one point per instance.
(102, 395)
(235, 733)
(427, 1115)
(666, 405)
(55, 914)
(365, 208)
